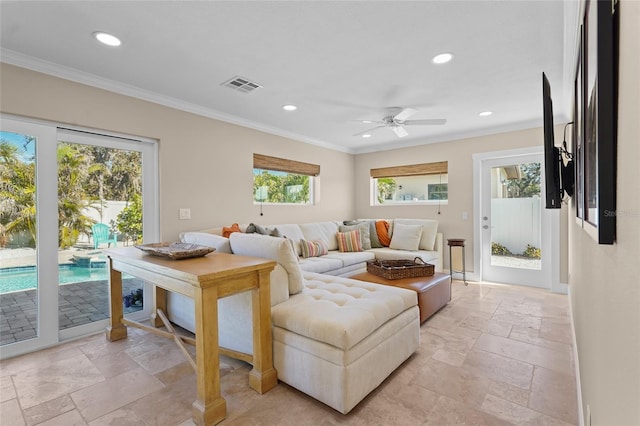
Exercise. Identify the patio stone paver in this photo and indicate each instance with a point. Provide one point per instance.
(78, 304)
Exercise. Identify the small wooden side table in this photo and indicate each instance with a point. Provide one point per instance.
(457, 242)
(205, 279)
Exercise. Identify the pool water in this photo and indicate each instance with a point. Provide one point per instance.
(25, 277)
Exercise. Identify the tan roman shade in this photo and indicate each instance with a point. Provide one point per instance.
(283, 165)
(440, 167)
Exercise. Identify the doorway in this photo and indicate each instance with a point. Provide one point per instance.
(514, 233)
(59, 183)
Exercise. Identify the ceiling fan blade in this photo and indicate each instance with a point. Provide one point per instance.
(404, 114)
(399, 131)
(367, 131)
(430, 121)
(368, 121)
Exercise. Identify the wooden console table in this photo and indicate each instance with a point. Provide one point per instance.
(205, 279)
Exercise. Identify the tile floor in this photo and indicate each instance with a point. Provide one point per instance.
(496, 355)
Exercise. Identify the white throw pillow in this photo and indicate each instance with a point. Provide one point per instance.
(406, 237)
(220, 243)
(429, 231)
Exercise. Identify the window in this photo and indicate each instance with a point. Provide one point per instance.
(282, 181)
(438, 191)
(425, 183)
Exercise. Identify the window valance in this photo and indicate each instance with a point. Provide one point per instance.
(283, 165)
(440, 167)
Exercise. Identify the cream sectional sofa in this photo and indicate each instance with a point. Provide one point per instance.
(334, 338)
(429, 249)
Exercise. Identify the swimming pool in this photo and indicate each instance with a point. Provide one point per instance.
(25, 277)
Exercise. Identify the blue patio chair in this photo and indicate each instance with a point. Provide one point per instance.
(101, 235)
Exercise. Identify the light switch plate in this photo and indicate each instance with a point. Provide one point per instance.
(185, 214)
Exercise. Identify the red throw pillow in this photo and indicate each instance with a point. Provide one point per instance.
(226, 231)
(382, 229)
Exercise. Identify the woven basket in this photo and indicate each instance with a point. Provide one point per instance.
(403, 268)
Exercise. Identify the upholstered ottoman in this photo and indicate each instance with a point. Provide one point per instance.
(434, 292)
(340, 338)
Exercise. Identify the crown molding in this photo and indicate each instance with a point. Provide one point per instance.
(25, 61)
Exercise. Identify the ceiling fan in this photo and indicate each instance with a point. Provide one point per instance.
(397, 121)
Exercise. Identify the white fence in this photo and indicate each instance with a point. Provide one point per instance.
(516, 223)
(109, 212)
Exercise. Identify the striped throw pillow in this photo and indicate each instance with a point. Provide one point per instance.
(313, 248)
(349, 241)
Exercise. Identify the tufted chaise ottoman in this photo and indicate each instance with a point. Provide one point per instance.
(339, 338)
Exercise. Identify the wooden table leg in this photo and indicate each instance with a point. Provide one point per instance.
(159, 302)
(263, 376)
(116, 329)
(209, 408)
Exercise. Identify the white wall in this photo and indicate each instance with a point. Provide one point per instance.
(205, 165)
(604, 280)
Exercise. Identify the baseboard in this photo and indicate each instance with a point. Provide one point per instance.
(576, 362)
(561, 288)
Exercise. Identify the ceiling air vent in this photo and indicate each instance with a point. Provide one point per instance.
(242, 84)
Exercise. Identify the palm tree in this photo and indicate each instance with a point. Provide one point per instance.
(73, 172)
(17, 192)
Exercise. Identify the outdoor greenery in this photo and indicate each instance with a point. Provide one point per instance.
(528, 185)
(386, 188)
(498, 249)
(87, 175)
(532, 252)
(279, 187)
(129, 221)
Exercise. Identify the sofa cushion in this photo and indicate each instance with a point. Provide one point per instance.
(221, 244)
(429, 231)
(325, 231)
(313, 248)
(406, 237)
(320, 264)
(373, 234)
(274, 248)
(351, 258)
(339, 311)
(349, 241)
(363, 227)
(292, 232)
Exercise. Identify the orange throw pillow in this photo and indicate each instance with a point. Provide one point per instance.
(382, 229)
(226, 231)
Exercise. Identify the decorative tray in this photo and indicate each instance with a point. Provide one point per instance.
(175, 251)
(397, 269)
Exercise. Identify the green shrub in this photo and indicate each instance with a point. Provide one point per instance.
(498, 249)
(532, 252)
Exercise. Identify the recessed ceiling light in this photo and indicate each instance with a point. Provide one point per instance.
(366, 135)
(485, 113)
(108, 39)
(289, 107)
(442, 58)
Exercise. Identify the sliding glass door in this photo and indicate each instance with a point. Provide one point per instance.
(87, 193)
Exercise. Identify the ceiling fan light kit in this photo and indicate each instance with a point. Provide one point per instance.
(397, 122)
